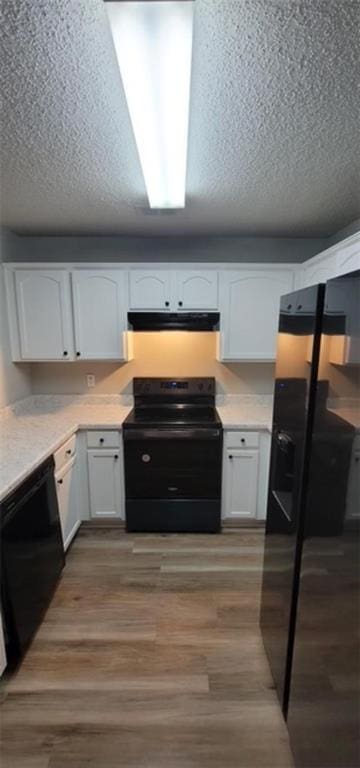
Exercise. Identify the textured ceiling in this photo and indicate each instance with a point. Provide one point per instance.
(273, 138)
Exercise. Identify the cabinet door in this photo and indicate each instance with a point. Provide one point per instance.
(104, 483)
(197, 290)
(150, 289)
(250, 304)
(348, 259)
(320, 271)
(68, 500)
(241, 481)
(99, 314)
(44, 314)
(342, 297)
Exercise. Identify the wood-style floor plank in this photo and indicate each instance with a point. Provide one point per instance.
(150, 656)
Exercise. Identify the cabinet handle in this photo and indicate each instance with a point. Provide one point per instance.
(78, 354)
(116, 456)
(289, 306)
(180, 303)
(60, 482)
(167, 303)
(299, 306)
(101, 439)
(230, 456)
(65, 353)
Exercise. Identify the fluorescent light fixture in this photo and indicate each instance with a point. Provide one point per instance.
(153, 44)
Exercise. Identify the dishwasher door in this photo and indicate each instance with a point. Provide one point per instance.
(32, 557)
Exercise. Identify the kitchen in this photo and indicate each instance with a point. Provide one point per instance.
(137, 384)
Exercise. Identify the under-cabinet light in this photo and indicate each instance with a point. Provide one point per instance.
(153, 44)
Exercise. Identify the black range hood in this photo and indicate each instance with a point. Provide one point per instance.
(173, 321)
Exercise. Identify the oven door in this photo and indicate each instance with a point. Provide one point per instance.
(173, 463)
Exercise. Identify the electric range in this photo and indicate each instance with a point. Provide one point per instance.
(173, 456)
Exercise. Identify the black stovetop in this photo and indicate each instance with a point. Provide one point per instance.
(173, 402)
(173, 415)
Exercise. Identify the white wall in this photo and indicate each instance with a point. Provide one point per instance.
(15, 379)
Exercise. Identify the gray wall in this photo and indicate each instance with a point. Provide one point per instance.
(164, 249)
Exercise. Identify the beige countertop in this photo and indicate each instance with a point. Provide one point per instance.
(245, 416)
(33, 429)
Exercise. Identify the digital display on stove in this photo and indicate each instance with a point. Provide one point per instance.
(174, 384)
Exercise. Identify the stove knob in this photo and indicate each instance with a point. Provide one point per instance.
(146, 458)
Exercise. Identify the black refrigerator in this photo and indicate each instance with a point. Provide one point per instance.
(311, 586)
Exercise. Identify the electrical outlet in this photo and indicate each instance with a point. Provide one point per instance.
(90, 379)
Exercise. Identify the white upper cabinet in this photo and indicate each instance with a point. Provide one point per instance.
(173, 291)
(339, 300)
(150, 290)
(99, 314)
(196, 290)
(44, 314)
(319, 270)
(249, 305)
(338, 260)
(348, 257)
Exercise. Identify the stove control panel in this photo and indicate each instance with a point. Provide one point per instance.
(156, 387)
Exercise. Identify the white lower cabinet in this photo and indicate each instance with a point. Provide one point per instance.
(241, 474)
(245, 475)
(67, 486)
(104, 468)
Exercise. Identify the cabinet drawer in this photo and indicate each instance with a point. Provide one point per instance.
(103, 439)
(65, 453)
(241, 439)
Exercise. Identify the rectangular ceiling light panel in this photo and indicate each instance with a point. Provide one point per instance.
(153, 44)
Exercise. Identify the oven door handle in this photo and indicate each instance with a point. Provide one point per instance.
(172, 434)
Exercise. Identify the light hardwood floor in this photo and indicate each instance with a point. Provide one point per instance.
(150, 656)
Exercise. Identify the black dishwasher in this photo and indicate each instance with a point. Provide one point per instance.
(32, 557)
